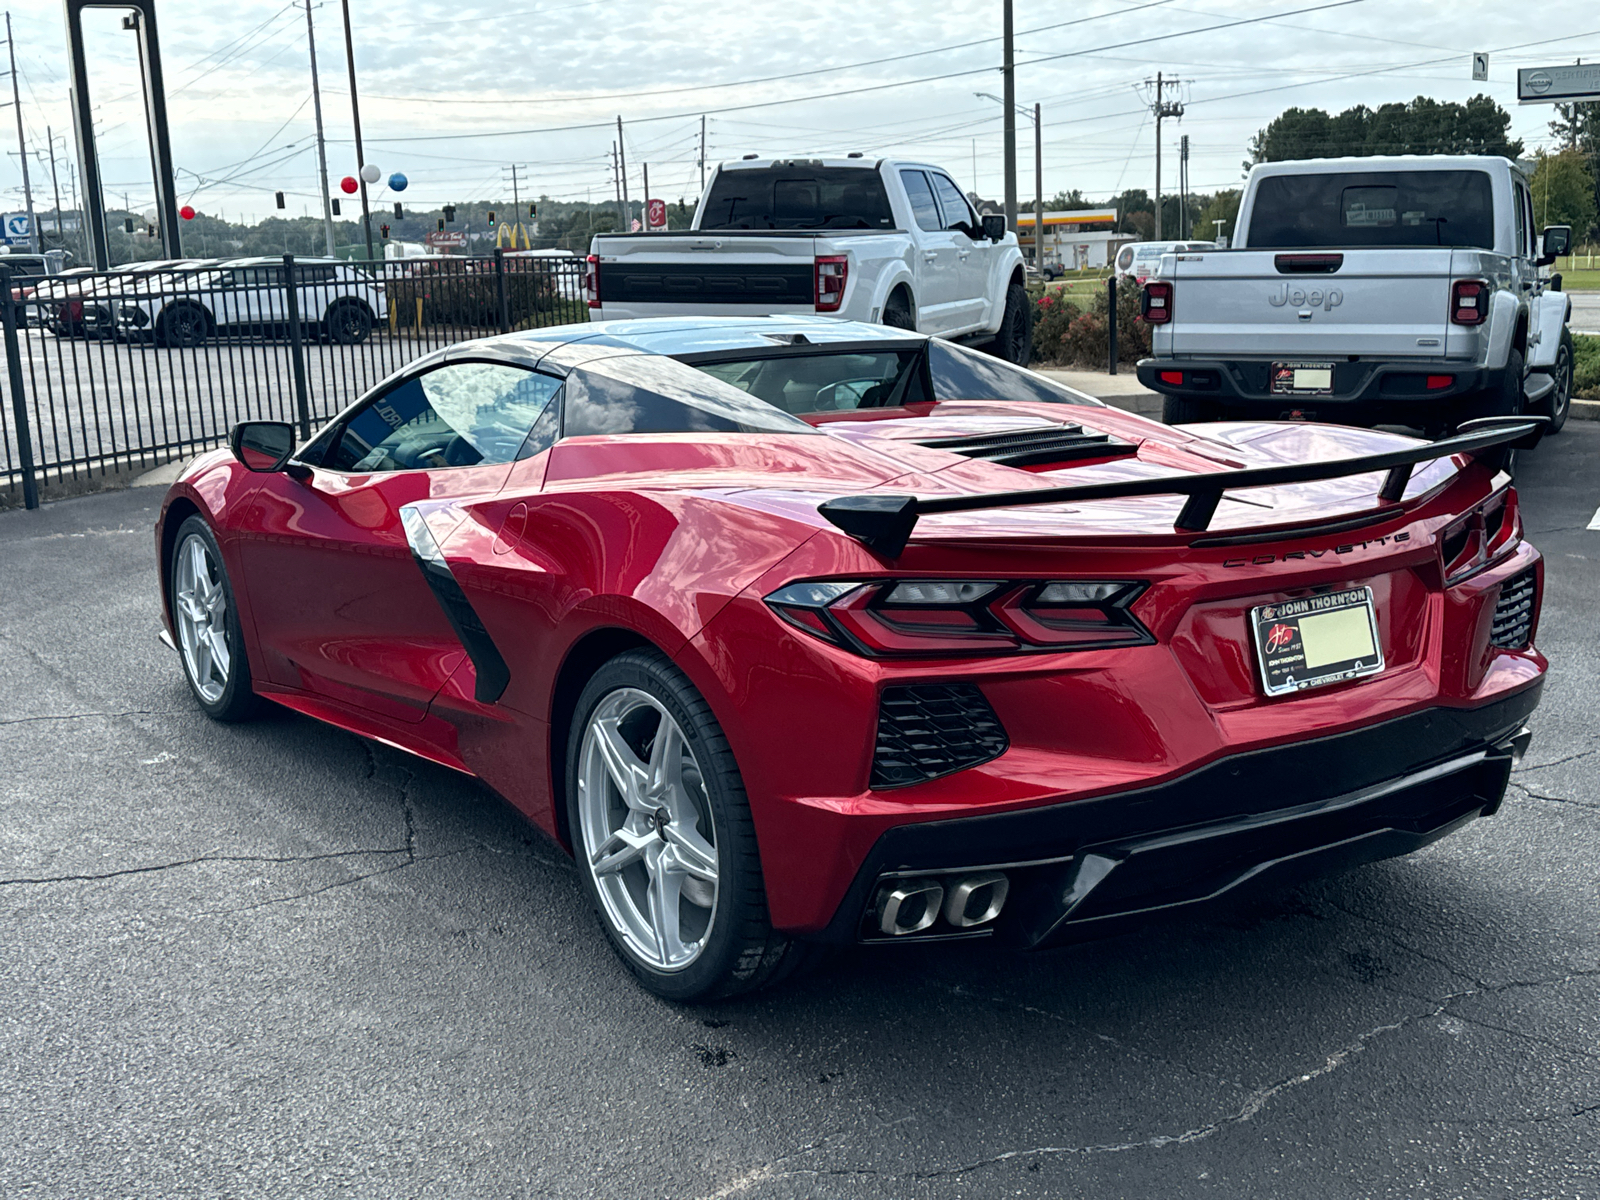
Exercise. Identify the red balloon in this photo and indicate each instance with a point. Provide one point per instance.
(186, 212)
(349, 185)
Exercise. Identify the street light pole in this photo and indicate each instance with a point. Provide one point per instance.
(355, 115)
(1038, 191)
(322, 149)
(1010, 102)
(22, 146)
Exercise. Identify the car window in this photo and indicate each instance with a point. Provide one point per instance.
(923, 208)
(962, 374)
(796, 196)
(317, 274)
(647, 393)
(1349, 209)
(459, 415)
(810, 383)
(957, 215)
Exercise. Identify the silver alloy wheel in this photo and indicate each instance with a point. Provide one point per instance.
(646, 829)
(200, 610)
(1561, 397)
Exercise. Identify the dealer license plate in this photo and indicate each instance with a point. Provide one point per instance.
(1302, 379)
(1316, 641)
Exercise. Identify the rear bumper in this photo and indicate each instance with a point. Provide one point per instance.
(1368, 386)
(1279, 815)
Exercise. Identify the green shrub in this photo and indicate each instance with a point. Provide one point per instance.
(1066, 335)
(1586, 366)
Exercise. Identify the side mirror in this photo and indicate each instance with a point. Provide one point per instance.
(1557, 241)
(262, 446)
(994, 227)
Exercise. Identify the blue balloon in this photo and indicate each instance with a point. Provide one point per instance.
(398, 182)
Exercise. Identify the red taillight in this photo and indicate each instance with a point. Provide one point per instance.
(1435, 382)
(916, 617)
(1173, 377)
(1469, 302)
(831, 273)
(1155, 303)
(591, 280)
(1480, 537)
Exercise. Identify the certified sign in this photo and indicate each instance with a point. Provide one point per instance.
(1552, 85)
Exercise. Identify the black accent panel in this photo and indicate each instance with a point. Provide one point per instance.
(1028, 447)
(663, 283)
(492, 672)
(1513, 612)
(929, 730)
(1256, 789)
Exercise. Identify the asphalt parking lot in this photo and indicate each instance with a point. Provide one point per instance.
(275, 960)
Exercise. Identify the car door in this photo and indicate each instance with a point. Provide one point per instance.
(971, 304)
(937, 267)
(341, 608)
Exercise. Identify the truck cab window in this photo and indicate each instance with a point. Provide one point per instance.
(923, 207)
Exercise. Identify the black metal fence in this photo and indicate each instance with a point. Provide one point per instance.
(119, 371)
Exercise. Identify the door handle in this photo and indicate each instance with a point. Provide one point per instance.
(929, 256)
(964, 254)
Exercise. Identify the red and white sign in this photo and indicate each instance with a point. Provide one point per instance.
(656, 213)
(447, 240)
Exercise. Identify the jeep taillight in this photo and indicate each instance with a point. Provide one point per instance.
(1469, 302)
(918, 617)
(1155, 302)
(591, 280)
(831, 273)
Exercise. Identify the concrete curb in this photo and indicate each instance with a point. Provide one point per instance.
(1585, 410)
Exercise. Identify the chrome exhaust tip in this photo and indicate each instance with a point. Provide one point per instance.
(976, 899)
(910, 906)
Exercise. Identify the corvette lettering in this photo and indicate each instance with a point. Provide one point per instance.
(1327, 301)
(1301, 555)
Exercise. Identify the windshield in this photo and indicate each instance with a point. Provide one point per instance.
(1373, 208)
(845, 380)
(791, 196)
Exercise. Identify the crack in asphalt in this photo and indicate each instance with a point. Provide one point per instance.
(152, 868)
(1252, 1105)
(328, 887)
(1533, 795)
(128, 712)
(1523, 770)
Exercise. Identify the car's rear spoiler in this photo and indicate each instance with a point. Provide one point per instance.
(885, 523)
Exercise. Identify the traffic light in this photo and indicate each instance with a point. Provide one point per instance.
(384, 230)
(127, 225)
(450, 213)
(399, 213)
(491, 220)
(441, 224)
(533, 211)
(336, 208)
(279, 195)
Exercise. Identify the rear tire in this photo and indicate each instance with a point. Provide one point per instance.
(897, 313)
(349, 324)
(681, 830)
(182, 326)
(1181, 410)
(1014, 342)
(1506, 400)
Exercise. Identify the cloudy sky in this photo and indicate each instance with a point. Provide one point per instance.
(452, 95)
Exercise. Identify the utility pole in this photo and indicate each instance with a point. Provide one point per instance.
(322, 149)
(1183, 186)
(1162, 109)
(355, 115)
(622, 174)
(616, 178)
(1038, 190)
(702, 152)
(1010, 102)
(55, 184)
(645, 207)
(22, 145)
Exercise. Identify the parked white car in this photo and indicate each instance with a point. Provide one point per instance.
(881, 241)
(1405, 290)
(1138, 260)
(185, 308)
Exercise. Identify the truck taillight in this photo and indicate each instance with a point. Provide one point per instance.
(591, 280)
(1469, 302)
(831, 273)
(1155, 303)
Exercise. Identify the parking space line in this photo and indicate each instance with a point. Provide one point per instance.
(1594, 522)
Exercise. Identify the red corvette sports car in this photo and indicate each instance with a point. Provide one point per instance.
(798, 632)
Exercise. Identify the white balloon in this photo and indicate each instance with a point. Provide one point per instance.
(151, 216)
(371, 173)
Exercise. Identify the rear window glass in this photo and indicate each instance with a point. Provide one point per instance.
(962, 374)
(644, 393)
(787, 197)
(809, 383)
(1373, 208)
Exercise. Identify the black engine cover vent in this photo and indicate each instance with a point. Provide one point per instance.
(1513, 612)
(1027, 447)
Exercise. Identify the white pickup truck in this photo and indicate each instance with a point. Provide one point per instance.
(1403, 290)
(887, 242)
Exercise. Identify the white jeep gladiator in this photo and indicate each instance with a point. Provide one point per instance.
(887, 242)
(1400, 290)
